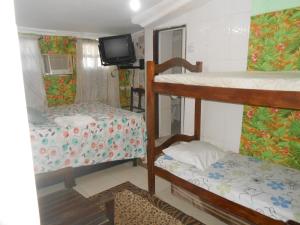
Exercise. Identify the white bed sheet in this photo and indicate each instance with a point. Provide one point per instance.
(281, 81)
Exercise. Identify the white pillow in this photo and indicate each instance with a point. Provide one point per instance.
(77, 120)
(197, 153)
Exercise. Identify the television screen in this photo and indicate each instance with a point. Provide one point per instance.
(117, 50)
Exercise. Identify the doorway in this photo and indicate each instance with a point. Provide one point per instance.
(169, 43)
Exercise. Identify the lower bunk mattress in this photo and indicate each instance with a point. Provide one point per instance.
(267, 188)
(114, 134)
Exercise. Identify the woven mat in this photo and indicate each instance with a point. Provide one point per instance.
(101, 198)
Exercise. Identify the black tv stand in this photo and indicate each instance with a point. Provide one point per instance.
(131, 66)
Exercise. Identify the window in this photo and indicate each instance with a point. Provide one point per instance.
(90, 55)
(55, 64)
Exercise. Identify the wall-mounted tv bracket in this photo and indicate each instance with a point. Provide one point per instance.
(130, 66)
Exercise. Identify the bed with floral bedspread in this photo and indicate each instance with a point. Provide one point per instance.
(267, 188)
(116, 134)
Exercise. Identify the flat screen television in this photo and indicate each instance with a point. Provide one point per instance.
(117, 50)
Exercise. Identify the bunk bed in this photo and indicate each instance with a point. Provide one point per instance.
(76, 139)
(258, 92)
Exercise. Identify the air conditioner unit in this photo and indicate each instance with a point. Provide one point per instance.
(55, 64)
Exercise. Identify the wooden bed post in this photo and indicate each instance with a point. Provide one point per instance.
(197, 126)
(69, 177)
(150, 126)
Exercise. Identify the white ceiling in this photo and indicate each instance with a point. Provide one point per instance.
(90, 16)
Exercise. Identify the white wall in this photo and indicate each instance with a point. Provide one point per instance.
(217, 34)
(148, 53)
(18, 204)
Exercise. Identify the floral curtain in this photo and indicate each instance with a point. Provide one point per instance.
(274, 45)
(125, 87)
(57, 45)
(60, 89)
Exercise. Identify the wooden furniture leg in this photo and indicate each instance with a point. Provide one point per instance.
(110, 211)
(135, 162)
(151, 180)
(131, 99)
(197, 119)
(69, 178)
(150, 127)
(140, 92)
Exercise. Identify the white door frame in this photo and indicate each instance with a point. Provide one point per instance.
(183, 28)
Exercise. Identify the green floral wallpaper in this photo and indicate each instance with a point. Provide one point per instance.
(60, 89)
(274, 45)
(125, 86)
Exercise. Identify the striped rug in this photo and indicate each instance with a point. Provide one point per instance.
(105, 196)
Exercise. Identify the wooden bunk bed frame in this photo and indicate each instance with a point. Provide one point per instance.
(278, 99)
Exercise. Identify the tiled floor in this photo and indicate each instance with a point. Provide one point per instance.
(99, 181)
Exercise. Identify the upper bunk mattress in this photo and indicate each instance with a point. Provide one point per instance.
(281, 81)
(267, 188)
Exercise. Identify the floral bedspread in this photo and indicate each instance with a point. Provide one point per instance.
(116, 135)
(270, 189)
